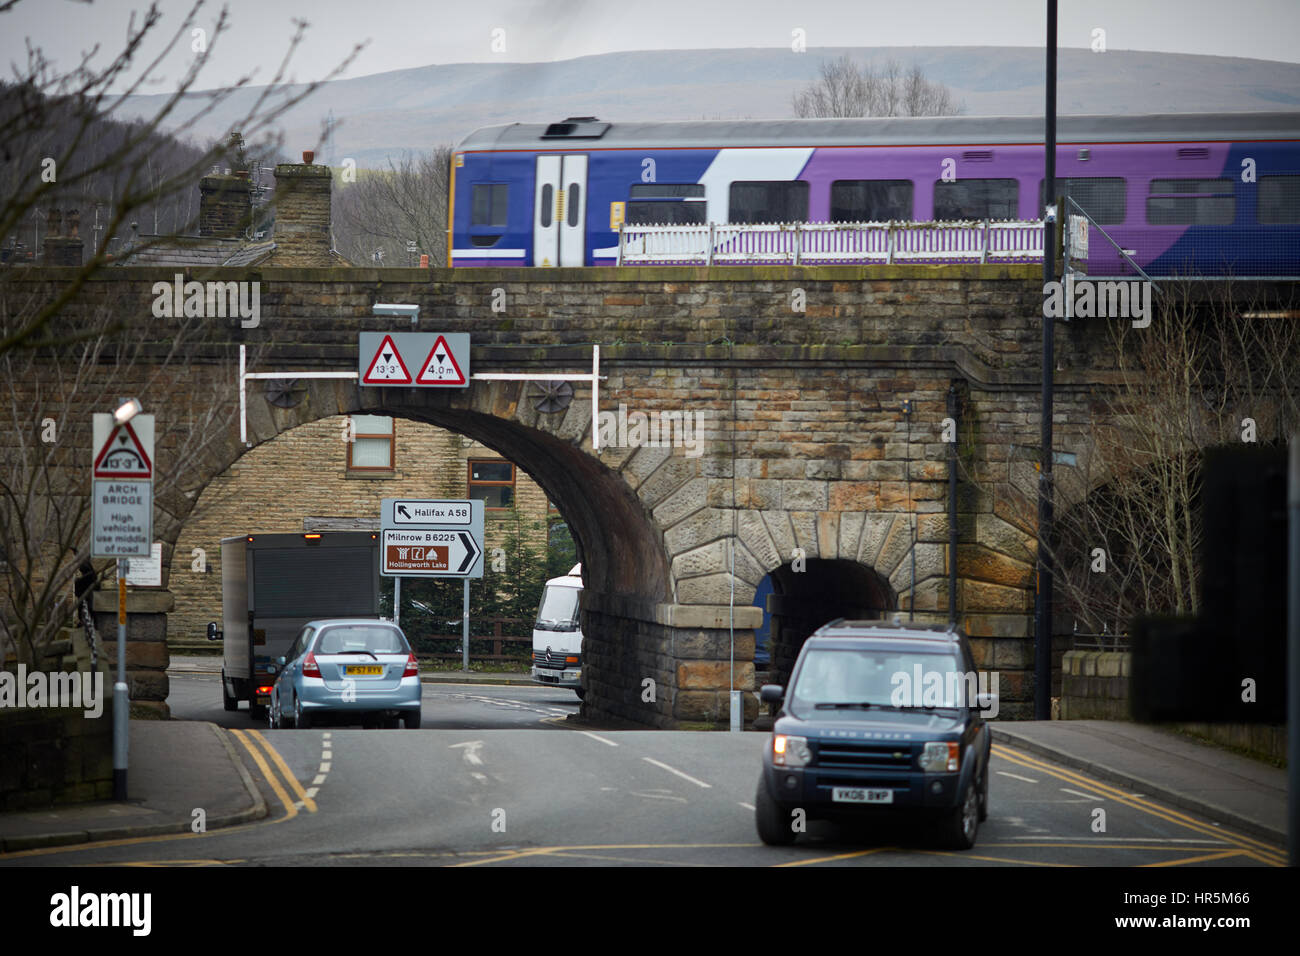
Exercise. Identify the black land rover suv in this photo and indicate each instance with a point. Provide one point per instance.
(878, 718)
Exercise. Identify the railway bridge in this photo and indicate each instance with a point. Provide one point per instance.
(808, 422)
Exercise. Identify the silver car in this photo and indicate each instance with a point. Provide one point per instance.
(351, 670)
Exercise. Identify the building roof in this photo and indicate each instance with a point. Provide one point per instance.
(198, 251)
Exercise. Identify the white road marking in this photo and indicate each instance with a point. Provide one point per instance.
(320, 778)
(325, 736)
(1088, 796)
(684, 776)
(588, 733)
(657, 796)
(748, 806)
(311, 792)
(470, 753)
(480, 777)
(1016, 776)
(324, 766)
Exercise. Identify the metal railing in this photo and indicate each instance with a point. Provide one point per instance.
(816, 243)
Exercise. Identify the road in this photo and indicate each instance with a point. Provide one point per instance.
(481, 786)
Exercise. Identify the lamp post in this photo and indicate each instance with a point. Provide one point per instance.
(127, 409)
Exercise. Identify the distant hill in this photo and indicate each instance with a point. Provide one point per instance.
(417, 109)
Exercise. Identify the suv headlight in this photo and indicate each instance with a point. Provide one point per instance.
(940, 757)
(790, 751)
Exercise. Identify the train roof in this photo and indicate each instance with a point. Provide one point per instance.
(588, 132)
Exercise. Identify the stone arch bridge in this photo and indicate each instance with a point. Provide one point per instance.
(814, 400)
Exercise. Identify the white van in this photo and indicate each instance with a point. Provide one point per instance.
(557, 638)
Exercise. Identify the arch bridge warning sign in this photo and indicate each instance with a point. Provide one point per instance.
(413, 359)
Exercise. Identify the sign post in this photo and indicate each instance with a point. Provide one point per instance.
(433, 538)
(121, 528)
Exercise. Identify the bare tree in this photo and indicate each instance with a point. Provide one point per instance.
(64, 146)
(1212, 368)
(385, 209)
(845, 89)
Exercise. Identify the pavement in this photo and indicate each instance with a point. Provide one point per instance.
(177, 766)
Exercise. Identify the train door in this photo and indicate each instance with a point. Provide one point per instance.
(560, 211)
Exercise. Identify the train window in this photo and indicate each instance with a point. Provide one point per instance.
(783, 201)
(665, 213)
(489, 204)
(548, 203)
(667, 191)
(976, 199)
(575, 200)
(871, 200)
(1179, 202)
(1102, 197)
(1279, 199)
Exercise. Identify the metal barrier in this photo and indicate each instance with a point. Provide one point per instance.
(814, 243)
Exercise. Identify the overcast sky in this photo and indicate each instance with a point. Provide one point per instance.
(412, 33)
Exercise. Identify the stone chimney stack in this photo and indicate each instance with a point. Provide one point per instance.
(302, 216)
(60, 249)
(224, 207)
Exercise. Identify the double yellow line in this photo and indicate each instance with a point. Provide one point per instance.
(1258, 850)
(248, 738)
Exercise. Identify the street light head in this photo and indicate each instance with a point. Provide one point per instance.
(129, 408)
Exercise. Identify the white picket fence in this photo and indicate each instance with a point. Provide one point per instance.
(814, 243)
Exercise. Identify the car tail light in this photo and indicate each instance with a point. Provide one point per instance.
(264, 690)
(412, 668)
(309, 667)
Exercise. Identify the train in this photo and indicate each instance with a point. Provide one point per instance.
(1213, 194)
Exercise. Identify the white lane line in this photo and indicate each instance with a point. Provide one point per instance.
(1077, 793)
(325, 736)
(748, 806)
(684, 776)
(480, 777)
(1016, 776)
(320, 778)
(470, 753)
(324, 767)
(588, 733)
(311, 792)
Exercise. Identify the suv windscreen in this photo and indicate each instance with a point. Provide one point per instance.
(834, 679)
(361, 638)
(559, 610)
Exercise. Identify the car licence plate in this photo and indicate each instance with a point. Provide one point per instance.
(362, 669)
(861, 795)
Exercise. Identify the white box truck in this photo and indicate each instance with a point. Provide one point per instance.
(273, 584)
(557, 636)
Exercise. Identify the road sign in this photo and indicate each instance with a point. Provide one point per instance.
(440, 366)
(385, 366)
(439, 359)
(122, 518)
(434, 554)
(122, 451)
(431, 537)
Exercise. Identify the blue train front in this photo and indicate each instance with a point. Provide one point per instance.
(1207, 194)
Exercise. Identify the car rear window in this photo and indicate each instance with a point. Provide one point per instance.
(881, 677)
(361, 637)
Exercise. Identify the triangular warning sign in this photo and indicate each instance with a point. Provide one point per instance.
(440, 367)
(123, 456)
(387, 367)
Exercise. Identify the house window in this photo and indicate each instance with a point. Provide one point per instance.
(493, 482)
(372, 449)
(1102, 197)
(757, 202)
(1179, 202)
(871, 200)
(489, 204)
(976, 199)
(1279, 199)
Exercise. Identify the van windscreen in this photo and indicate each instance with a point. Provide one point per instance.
(559, 610)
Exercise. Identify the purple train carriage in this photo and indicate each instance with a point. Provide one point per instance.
(1212, 194)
